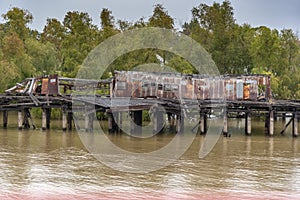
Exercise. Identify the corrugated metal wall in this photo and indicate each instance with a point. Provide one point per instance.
(168, 85)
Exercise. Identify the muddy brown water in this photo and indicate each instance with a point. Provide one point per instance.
(56, 165)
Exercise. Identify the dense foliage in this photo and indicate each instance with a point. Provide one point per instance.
(62, 46)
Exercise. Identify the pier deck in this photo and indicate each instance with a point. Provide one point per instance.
(22, 103)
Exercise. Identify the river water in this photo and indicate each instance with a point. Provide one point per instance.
(56, 165)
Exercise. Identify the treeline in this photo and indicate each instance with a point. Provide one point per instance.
(63, 45)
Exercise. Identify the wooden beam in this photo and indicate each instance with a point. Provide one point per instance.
(5, 118)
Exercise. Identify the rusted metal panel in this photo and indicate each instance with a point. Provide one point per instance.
(172, 85)
(45, 85)
(230, 89)
(187, 88)
(53, 84)
(239, 89)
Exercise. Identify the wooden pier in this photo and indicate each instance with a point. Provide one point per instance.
(22, 104)
(171, 98)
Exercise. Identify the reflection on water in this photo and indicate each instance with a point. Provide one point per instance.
(36, 164)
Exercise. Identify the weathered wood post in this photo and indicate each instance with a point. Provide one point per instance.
(5, 118)
(248, 122)
(283, 116)
(26, 118)
(69, 121)
(271, 123)
(120, 122)
(203, 123)
(86, 122)
(111, 122)
(46, 118)
(295, 124)
(225, 124)
(64, 119)
(179, 124)
(158, 121)
(116, 121)
(91, 122)
(136, 122)
(20, 119)
(171, 120)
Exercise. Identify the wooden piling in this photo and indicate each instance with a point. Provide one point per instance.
(179, 124)
(69, 121)
(27, 116)
(46, 115)
(109, 121)
(44, 122)
(283, 116)
(271, 123)
(64, 120)
(91, 122)
(136, 123)
(120, 124)
(5, 118)
(203, 123)
(171, 121)
(225, 124)
(295, 125)
(248, 123)
(158, 121)
(86, 122)
(115, 121)
(20, 119)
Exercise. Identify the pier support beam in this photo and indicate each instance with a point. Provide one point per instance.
(5, 118)
(120, 122)
(20, 119)
(171, 122)
(295, 125)
(203, 123)
(248, 123)
(89, 118)
(46, 118)
(271, 123)
(179, 124)
(158, 121)
(112, 126)
(27, 116)
(136, 123)
(283, 116)
(64, 120)
(69, 121)
(225, 124)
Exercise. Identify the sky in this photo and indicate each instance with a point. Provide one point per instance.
(279, 14)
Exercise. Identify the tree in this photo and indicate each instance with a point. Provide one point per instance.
(54, 32)
(43, 56)
(81, 37)
(161, 18)
(107, 24)
(217, 24)
(17, 21)
(265, 49)
(290, 49)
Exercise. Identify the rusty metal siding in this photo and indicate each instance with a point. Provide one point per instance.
(230, 87)
(44, 85)
(172, 85)
(53, 87)
(240, 89)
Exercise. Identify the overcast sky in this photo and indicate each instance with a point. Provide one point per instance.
(277, 14)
